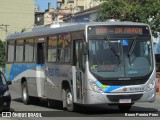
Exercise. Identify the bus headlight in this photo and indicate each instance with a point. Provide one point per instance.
(94, 86)
(152, 85)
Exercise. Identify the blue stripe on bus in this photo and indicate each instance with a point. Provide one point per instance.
(13, 70)
(112, 88)
(39, 65)
(107, 88)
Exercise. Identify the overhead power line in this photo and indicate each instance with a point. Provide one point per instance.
(6, 26)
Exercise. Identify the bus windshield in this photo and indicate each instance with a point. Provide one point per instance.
(120, 57)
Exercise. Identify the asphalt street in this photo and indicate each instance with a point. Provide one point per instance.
(102, 112)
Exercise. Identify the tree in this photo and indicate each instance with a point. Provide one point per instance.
(2, 53)
(145, 11)
(111, 9)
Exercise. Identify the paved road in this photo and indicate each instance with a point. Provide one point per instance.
(92, 112)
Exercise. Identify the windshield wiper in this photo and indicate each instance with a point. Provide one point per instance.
(117, 53)
(132, 47)
(133, 44)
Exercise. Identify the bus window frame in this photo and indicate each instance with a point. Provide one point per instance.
(47, 46)
(71, 43)
(33, 60)
(8, 62)
(15, 61)
(76, 35)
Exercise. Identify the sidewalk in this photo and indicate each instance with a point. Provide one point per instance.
(157, 97)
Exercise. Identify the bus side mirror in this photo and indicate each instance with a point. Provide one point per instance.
(9, 82)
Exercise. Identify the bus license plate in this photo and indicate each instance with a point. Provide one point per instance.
(125, 101)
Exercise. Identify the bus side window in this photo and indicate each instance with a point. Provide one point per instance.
(63, 50)
(11, 49)
(67, 46)
(19, 50)
(78, 53)
(52, 49)
(29, 50)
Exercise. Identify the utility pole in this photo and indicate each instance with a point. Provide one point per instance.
(6, 27)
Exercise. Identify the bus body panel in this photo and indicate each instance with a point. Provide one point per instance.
(46, 80)
(40, 80)
(137, 93)
(55, 75)
(15, 73)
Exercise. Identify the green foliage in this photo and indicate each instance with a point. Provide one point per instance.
(2, 53)
(111, 10)
(145, 11)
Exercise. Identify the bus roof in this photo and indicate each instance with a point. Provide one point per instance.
(65, 27)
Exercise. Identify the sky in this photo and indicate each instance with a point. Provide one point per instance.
(43, 4)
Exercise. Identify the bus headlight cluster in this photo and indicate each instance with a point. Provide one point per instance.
(152, 85)
(94, 86)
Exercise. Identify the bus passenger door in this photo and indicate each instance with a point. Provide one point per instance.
(77, 72)
(40, 71)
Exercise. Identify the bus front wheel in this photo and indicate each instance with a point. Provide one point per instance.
(25, 95)
(69, 101)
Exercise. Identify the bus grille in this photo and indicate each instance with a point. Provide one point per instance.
(116, 98)
(123, 82)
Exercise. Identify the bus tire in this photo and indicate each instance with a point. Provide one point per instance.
(25, 95)
(69, 101)
(124, 107)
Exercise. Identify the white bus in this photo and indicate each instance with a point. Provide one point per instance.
(84, 63)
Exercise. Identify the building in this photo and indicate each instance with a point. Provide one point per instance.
(44, 18)
(87, 15)
(72, 6)
(72, 10)
(78, 5)
(15, 16)
(39, 18)
(92, 3)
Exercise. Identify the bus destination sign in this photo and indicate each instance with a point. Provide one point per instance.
(101, 30)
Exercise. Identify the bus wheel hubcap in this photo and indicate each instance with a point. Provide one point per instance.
(69, 98)
(24, 93)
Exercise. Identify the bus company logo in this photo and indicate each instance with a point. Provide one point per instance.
(21, 114)
(124, 89)
(137, 89)
(6, 114)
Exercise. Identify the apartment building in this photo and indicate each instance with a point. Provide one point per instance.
(15, 16)
(46, 17)
(78, 5)
(70, 8)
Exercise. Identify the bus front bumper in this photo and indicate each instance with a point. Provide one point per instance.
(91, 97)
